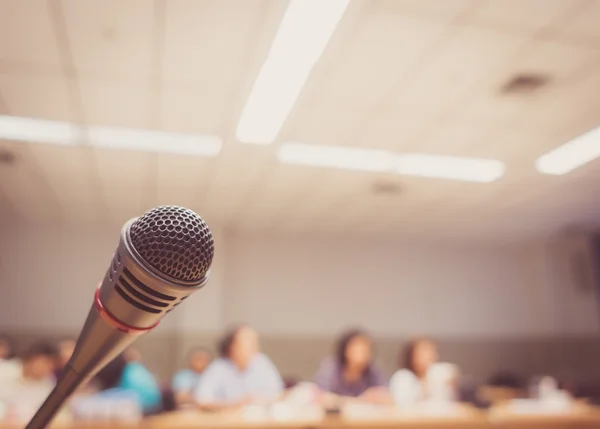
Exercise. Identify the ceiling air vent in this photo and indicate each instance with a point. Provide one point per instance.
(386, 188)
(6, 158)
(525, 83)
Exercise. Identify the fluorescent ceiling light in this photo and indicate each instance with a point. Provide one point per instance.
(300, 40)
(449, 167)
(571, 155)
(336, 157)
(154, 141)
(38, 130)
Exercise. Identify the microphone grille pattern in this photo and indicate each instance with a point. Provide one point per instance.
(175, 241)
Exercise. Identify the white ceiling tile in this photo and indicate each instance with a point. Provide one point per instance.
(128, 181)
(525, 15)
(456, 138)
(324, 125)
(115, 103)
(556, 60)
(195, 109)
(37, 96)
(401, 133)
(79, 198)
(584, 27)
(181, 180)
(386, 48)
(277, 197)
(447, 9)
(25, 186)
(26, 34)
(467, 60)
(111, 37)
(207, 41)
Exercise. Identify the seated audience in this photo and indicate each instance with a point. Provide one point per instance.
(421, 374)
(186, 380)
(133, 377)
(241, 375)
(36, 381)
(352, 372)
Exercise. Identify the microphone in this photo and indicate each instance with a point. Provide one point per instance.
(162, 258)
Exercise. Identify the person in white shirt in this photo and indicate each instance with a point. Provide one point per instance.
(407, 385)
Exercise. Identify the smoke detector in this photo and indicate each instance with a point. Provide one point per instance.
(6, 158)
(386, 187)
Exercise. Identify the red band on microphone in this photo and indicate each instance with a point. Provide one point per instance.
(108, 318)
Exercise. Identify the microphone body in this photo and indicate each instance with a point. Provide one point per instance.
(162, 258)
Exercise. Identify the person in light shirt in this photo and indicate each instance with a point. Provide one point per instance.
(242, 375)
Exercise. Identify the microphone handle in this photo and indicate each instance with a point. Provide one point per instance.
(68, 383)
(98, 344)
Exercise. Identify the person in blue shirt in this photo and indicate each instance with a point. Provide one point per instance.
(241, 375)
(132, 377)
(185, 381)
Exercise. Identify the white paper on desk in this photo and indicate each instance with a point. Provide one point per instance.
(433, 409)
(533, 407)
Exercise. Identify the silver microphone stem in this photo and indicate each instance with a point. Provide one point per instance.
(98, 344)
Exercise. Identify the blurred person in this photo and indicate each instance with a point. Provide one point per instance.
(7, 349)
(241, 375)
(351, 372)
(185, 381)
(122, 376)
(10, 366)
(420, 371)
(66, 348)
(35, 382)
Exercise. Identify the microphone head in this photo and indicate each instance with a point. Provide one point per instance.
(175, 242)
(163, 257)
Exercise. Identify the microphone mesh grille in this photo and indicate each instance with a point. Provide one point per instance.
(175, 241)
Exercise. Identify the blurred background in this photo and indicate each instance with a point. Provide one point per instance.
(401, 168)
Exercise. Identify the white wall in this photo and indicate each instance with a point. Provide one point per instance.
(47, 277)
(313, 286)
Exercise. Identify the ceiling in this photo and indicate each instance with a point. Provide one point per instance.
(405, 75)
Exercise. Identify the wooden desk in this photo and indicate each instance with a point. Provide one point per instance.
(314, 419)
(582, 417)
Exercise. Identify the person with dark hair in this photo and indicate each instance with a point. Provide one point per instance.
(416, 361)
(185, 381)
(351, 372)
(241, 375)
(133, 377)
